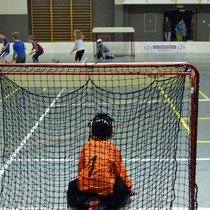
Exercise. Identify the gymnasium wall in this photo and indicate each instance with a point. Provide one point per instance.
(103, 13)
(13, 7)
(122, 47)
(15, 16)
(135, 17)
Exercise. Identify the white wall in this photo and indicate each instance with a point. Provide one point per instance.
(198, 47)
(65, 47)
(13, 7)
(185, 47)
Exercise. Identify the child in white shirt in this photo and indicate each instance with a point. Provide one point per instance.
(78, 45)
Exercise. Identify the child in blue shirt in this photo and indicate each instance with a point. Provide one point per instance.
(19, 54)
(178, 31)
(5, 49)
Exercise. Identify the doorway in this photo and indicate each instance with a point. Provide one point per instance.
(189, 18)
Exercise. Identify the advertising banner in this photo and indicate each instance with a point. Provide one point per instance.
(155, 47)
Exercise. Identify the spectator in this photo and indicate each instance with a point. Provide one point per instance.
(167, 29)
(184, 31)
(178, 30)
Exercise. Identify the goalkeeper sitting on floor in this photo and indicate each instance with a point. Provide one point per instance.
(102, 181)
(102, 50)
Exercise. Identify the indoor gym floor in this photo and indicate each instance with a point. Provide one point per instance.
(202, 62)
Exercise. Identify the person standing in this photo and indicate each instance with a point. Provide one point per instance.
(167, 29)
(19, 54)
(5, 49)
(184, 31)
(78, 47)
(37, 49)
(178, 30)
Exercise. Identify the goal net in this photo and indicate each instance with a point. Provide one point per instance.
(45, 110)
(119, 40)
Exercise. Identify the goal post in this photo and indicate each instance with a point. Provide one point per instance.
(126, 47)
(45, 110)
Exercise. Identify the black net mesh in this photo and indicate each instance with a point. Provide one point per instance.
(44, 118)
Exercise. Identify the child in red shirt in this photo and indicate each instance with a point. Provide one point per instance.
(37, 49)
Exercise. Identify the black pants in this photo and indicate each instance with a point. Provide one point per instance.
(20, 59)
(78, 199)
(79, 55)
(36, 56)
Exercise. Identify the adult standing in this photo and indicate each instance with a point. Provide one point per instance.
(167, 29)
(184, 31)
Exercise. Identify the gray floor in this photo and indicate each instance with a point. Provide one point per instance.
(202, 62)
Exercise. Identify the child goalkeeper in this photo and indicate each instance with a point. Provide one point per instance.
(102, 178)
(102, 51)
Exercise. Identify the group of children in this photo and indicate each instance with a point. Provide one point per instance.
(102, 182)
(19, 54)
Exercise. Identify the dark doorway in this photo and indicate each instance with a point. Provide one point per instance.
(188, 17)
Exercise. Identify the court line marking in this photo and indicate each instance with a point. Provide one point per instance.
(203, 141)
(168, 100)
(204, 100)
(10, 94)
(203, 118)
(28, 136)
(44, 89)
(175, 110)
(203, 94)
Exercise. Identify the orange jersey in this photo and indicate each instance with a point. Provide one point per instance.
(99, 163)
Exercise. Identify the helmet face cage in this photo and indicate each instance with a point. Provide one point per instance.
(99, 42)
(102, 126)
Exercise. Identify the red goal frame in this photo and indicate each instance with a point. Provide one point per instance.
(190, 70)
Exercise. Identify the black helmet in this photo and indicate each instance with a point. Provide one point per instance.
(102, 126)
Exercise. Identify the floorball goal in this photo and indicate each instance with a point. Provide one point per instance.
(45, 110)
